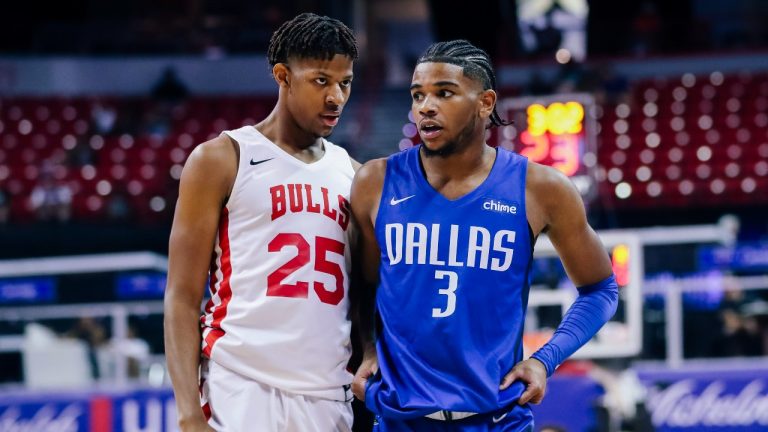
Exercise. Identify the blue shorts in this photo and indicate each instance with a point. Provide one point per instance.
(505, 420)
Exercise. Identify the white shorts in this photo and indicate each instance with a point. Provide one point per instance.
(234, 403)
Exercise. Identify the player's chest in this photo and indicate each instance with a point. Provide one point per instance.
(295, 196)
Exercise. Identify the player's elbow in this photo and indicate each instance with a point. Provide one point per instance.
(176, 300)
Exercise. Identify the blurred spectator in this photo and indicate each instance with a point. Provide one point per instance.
(103, 118)
(552, 428)
(157, 121)
(5, 207)
(134, 348)
(93, 333)
(51, 200)
(169, 92)
(169, 88)
(740, 335)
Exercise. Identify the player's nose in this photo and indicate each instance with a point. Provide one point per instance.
(427, 107)
(335, 96)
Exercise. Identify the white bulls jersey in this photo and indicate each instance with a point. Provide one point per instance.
(279, 276)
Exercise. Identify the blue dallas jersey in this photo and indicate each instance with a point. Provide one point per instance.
(455, 276)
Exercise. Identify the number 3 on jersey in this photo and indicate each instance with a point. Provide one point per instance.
(323, 246)
(450, 292)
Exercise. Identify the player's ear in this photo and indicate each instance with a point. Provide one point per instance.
(281, 73)
(487, 102)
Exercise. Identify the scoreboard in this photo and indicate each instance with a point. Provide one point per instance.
(556, 130)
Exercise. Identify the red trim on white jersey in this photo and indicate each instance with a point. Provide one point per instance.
(221, 291)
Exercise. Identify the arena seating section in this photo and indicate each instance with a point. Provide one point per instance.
(685, 142)
(142, 166)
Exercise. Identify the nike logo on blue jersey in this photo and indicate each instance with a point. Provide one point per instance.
(398, 201)
(253, 162)
(499, 418)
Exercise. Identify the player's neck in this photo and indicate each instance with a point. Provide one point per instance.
(280, 128)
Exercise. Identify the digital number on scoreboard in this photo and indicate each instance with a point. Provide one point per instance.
(558, 131)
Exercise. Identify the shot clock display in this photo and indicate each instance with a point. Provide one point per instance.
(554, 130)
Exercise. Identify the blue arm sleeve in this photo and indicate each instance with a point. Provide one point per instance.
(595, 305)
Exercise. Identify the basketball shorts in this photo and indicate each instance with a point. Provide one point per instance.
(234, 403)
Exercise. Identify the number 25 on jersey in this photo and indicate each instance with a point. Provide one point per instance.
(300, 289)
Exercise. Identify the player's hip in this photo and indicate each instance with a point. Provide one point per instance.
(227, 398)
(327, 380)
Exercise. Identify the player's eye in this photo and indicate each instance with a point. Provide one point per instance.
(321, 80)
(346, 83)
(417, 96)
(445, 93)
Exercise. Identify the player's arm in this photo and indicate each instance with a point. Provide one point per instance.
(556, 208)
(364, 200)
(205, 183)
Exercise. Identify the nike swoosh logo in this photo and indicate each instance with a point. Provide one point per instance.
(398, 201)
(253, 162)
(500, 418)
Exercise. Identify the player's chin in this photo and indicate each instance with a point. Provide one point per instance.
(324, 133)
(433, 145)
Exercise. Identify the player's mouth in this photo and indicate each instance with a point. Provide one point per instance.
(430, 129)
(330, 120)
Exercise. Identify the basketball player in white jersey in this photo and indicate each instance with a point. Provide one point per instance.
(265, 209)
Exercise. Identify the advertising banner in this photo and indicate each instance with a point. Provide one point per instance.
(130, 411)
(569, 404)
(707, 399)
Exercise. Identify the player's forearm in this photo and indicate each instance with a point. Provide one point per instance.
(595, 305)
(182, 350)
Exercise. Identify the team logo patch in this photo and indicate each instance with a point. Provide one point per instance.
(499, 206)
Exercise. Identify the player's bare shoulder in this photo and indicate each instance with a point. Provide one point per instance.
(215, 162)
(370, 176)
(367, 186)
(548, 192)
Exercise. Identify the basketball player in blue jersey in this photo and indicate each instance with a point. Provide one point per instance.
(447, 235)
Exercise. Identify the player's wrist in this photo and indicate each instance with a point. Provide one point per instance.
(548, 370)
(540, 363)
(193, 418)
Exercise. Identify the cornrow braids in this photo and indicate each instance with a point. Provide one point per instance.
(311, 36)
(473, 60)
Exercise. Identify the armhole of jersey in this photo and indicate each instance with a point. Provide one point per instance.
(531, 237)
(381, 196)
(237, 148)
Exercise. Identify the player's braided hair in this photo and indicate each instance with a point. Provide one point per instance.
(311, 36)
(475, 62)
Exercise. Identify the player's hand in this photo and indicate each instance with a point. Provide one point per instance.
(533, 373)
(368, 367)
